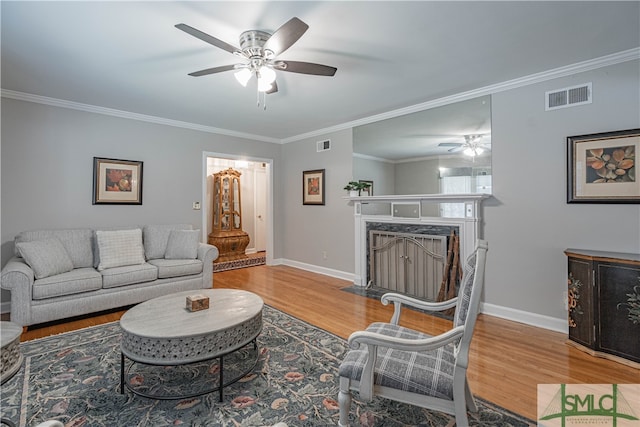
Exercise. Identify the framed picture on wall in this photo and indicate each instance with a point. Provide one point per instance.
(313, 187)
(117, 182)
(601, 167)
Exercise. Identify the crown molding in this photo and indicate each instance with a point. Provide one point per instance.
(592, 64)
(22, 96)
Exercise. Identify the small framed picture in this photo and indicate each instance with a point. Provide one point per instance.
(367, 191)
(117, 182)
(313, 187)
(601, 167)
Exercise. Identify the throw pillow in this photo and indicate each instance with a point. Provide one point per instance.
(156, 237)
(45, 257)
(183, 244)
(118, 248)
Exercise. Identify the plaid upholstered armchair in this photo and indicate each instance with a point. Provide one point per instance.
(401, 364)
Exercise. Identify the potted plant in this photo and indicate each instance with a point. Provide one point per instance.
(355, 187)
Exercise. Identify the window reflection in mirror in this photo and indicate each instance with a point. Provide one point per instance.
(443, 150)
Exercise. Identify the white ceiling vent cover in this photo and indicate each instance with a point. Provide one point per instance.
(324, 145)
(568, 97)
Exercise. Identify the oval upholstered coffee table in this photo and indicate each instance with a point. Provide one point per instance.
(163, 332)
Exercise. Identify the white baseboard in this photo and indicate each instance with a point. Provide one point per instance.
(528, 318)
(315, 269)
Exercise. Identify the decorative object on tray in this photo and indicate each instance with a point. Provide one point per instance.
(74, 375)
(197, 302)
(117, 182)
(313, 187)
(226, 232)
(601, 167)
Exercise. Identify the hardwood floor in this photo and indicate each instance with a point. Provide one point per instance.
(507, 359)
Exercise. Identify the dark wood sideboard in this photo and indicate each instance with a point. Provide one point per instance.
(604, 304)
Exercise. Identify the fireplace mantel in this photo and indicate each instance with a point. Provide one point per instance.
(436, 198)
(469, 226)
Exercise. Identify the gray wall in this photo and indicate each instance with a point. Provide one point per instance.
(47, 166)
(381, 173)
(46, 182)
(417, 177)
(311, 230)
(528, 223)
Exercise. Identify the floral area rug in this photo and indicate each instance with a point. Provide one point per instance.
(75, 378)
(239, 263)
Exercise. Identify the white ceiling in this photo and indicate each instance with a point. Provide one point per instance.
(390, 55)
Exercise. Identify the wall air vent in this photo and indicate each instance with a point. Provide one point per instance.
(324, 145)
(568, 97)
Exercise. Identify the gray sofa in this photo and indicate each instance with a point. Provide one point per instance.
(56, 274)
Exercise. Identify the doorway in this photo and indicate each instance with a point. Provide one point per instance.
(256, 199)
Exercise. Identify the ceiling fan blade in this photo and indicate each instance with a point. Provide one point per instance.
(305, 68)
(212, 70)
(450, 144)
(286, 36)
(274, 88)
(207, 38)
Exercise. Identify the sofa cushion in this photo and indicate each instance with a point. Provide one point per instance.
(77, 243)
(45, 257)
(119, 248)
(127, 275)
(73, 282)
(156, 238)
(183, 244)
(177, 267)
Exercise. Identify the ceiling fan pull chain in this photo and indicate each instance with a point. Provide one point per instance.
(257, 96)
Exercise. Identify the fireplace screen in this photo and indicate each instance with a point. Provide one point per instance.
(410, 264)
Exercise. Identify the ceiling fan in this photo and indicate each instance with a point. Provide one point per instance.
(472, 145)
(258, 51)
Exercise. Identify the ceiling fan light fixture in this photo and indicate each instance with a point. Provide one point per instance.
(264, 85)
(243, 75)
(267, 74)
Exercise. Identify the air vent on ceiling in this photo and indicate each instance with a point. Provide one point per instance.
(324, 145)
(568, 97)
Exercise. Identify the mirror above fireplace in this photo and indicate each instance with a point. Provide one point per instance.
(442, 150)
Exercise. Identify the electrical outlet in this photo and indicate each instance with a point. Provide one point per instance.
(196, 206)
(324, 254)
(565, 299)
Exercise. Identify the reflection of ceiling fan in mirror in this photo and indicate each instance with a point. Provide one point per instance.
(258, 51)
(472, 146)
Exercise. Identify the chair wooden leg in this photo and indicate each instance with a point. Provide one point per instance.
(344, 402)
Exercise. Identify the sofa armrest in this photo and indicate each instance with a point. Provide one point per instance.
(16, 274)
(18, 278)
(207, 254)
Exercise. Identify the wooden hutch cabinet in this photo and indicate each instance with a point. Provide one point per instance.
(604, 304)
(226, 231)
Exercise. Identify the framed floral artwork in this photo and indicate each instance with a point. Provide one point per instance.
(313, 187)
(117, 182)
(601, 167)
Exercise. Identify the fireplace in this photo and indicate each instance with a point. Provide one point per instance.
(401, 223)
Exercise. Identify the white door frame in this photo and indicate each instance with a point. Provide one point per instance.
(269, 222)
